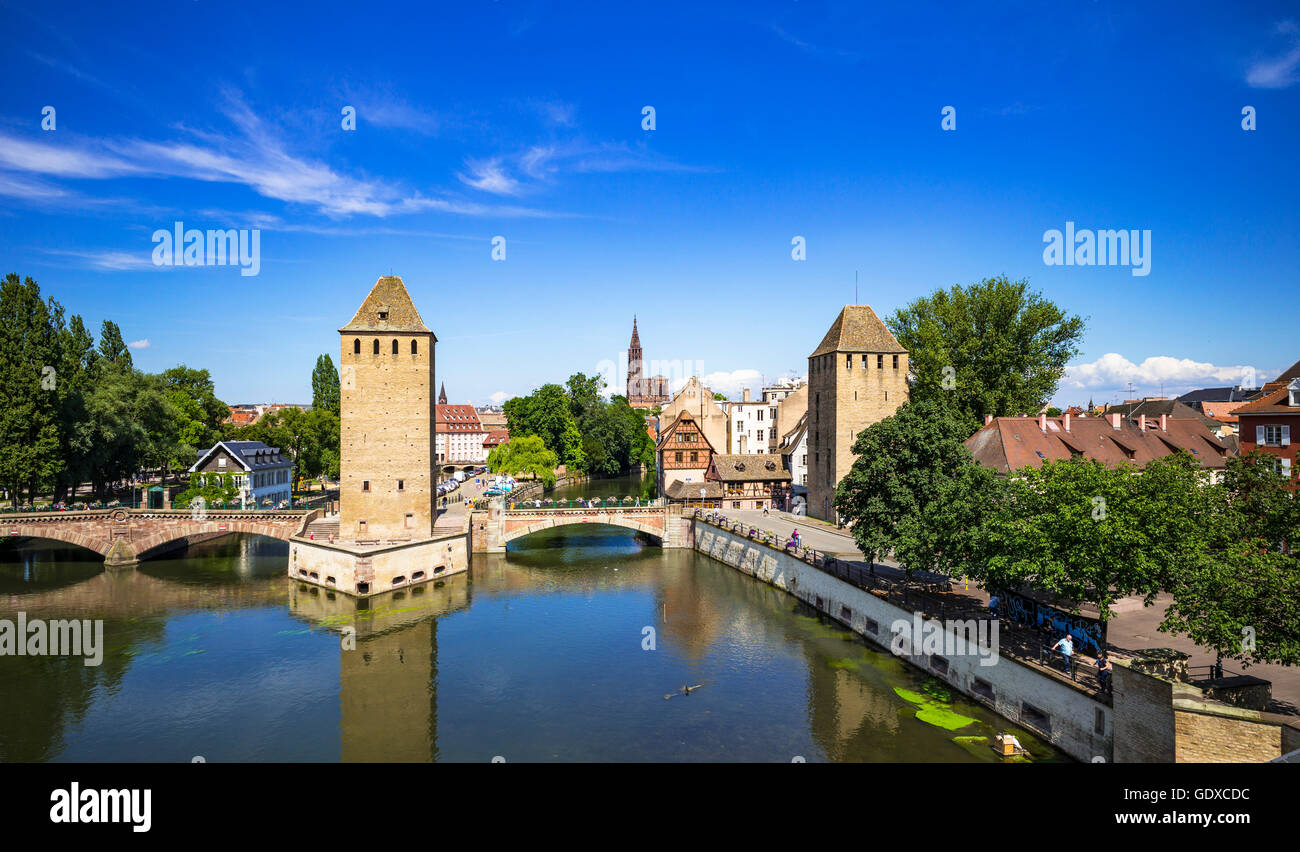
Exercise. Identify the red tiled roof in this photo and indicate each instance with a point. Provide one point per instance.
(1012, 443)
(457, 418)
(1272, 402)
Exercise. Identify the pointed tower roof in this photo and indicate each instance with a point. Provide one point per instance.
(858, 329)
(442, 394)
(388, 308)
(636, 338)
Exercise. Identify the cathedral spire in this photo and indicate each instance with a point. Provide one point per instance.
(442, 394)
(636, 338)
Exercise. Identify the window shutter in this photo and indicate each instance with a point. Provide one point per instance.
(1286, 436)
(1259, 435)
(1286, 468)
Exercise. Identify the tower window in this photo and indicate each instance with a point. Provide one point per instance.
(383, 316)
(401, 485)
(415, 348)
(356, 346)
(895, 362)
(880, 362)
(365, 486)
(376, 347)
(848, 362)
(394, 347)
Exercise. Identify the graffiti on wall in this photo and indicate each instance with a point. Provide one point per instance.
(1089, 633)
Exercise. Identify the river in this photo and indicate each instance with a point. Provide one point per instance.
(572, 646)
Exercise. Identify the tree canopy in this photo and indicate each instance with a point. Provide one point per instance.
(995, 347)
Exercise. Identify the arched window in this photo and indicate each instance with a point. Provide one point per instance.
(376, 350)
(415, 348)
(356, 346)
(394, 347)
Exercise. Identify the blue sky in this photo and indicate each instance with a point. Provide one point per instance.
(773, 120)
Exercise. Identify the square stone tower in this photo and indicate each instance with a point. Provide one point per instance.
(856, 377)
(386, 489)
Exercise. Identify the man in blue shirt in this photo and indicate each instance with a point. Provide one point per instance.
(1066, 644)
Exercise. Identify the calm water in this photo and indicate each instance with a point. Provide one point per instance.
(537, 655)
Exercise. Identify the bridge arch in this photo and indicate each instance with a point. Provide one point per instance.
(66, 535)
(155, 544)
(526, 526)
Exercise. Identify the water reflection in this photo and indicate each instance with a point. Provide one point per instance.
(541, 653)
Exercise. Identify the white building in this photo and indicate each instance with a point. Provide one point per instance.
(459, 434)
(262, 476)
(751, 426)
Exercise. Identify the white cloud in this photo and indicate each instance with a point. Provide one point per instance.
(488, 176)
(499, 397)
(1114, 371)
(138, 344)
(1282, 71)
(255, 157)
(733, 383)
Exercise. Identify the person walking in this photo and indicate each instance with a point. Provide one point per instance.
(1066, 644)
(994, 602)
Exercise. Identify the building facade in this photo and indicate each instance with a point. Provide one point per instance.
(750, 481)
(683, 454)
(857, 376)
(460, 435)
(261, 474)
(697, 398)
(386, 375)
(751, 426)
(1271, 423)
(643, 391)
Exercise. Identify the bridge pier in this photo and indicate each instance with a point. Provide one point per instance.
(120, 555)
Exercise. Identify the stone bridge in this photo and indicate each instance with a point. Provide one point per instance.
(126, 536)
(493, 529)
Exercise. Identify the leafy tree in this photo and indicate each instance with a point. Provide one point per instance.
(325, 385)
(526, 455)
(1089, 533)
(1242, 599)
(903, 472)
(29, 404)
(998, 347)
(111, 346)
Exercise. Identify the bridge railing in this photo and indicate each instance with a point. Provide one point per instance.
(540, 505)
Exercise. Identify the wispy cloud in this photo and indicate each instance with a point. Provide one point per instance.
(556, 113)
(111, 260)
(255, 157)
(489, 176)
(815, 49)
(139, 344)
(1281, 71)
(731, 383)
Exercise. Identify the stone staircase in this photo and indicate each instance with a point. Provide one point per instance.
(322, 529)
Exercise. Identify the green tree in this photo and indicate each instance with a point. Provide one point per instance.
(1089, 533)
(29, 398)
(991, 348)
(1242, 599)
(905, 468)
(526, 455)
(111, 346)
(325, 385)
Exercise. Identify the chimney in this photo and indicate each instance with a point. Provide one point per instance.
(1067, 421)
(1042, 422)
(988, 418)
(745, 395)
(1164, 422)
(1114, 420)
(1142, 422)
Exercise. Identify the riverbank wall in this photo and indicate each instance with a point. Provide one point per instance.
(1072, 720)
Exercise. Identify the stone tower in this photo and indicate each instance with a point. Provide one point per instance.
(856, 377)
(386, 490)
(635, 381)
